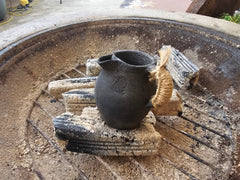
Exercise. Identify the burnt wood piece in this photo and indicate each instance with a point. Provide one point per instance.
(89, 134)
(92, 67)
(183, 71)
(56, 88)
(75, 100)
(172, 108)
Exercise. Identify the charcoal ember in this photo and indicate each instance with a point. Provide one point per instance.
(88, 133)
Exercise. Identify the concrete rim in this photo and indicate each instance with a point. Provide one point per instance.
(19, 32)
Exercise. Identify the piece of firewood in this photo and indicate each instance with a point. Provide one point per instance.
(88, 133)
(92, 67)
(172, 108)
(183, 71)
(75, 100)
(56, 88)
(163, 80)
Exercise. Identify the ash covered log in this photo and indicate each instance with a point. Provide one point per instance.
(88, 133)
(92, 67)
(75, 100)
(183, 71)
(56, 88)
(172, 108)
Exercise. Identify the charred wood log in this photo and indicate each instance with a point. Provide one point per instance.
(172, 108)
(56, 88)
(88, 133)
(75, 100)
(92, 67)
(183, 71)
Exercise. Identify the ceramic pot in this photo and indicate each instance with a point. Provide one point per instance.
(123, 90)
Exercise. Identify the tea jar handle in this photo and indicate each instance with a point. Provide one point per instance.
(163, 79)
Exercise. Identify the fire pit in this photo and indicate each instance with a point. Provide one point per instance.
(199, 144)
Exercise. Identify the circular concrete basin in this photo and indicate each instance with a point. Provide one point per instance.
(202, 146)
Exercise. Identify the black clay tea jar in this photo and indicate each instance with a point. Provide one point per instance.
(123, 90)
